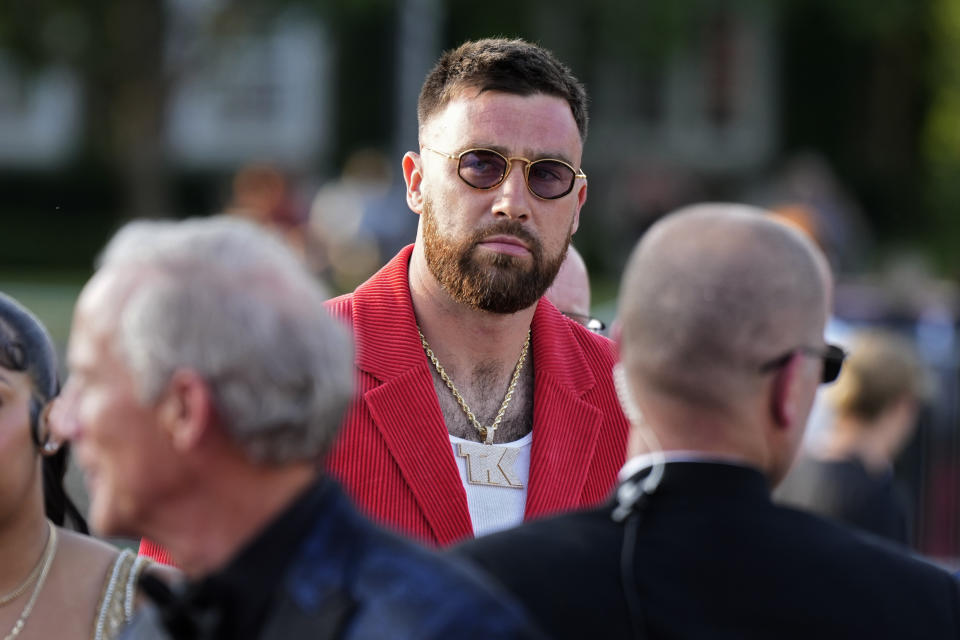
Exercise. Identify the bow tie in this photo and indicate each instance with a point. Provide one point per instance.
(186, 612)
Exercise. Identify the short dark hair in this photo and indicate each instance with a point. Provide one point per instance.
(500, 64)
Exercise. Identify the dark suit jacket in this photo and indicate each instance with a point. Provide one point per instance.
(846, 491)
(344, 578)
(715, 558)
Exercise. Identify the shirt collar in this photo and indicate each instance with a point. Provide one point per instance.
(238, 595)
(639, 462)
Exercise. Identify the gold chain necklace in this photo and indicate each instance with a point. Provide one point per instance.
(486, 433)
(49, 551)
(16, 593)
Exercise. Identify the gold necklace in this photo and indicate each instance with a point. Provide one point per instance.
(16, 593)
(486, 433)
(48, 552)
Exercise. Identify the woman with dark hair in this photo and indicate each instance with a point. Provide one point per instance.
(54, 583)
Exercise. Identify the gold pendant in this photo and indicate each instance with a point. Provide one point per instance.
(490, 465)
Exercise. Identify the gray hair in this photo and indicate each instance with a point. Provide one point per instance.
(713, 291)
(223, 298)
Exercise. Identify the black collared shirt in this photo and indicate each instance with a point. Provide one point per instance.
(233, 603)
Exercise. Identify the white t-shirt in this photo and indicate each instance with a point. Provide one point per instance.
(495, 478)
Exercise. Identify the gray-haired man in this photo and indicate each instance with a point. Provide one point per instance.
(206, 382)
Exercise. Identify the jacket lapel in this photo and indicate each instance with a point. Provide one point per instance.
(565, 427)
(408, 417)
(404, 406)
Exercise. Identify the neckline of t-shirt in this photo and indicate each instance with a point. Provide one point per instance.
(522, 442)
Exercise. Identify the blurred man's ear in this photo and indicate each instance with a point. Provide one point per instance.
(186, 409)
(785, 393)
(791, 396)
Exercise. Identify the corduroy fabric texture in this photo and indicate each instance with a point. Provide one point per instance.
(155, 552)
(393, 454)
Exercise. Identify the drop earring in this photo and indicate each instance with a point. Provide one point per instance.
(50, 445)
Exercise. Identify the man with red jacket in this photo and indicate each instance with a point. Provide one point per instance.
(479, 405)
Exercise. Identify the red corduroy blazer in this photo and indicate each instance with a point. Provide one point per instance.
(393, 454)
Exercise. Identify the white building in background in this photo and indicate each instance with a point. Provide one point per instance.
(711, 108)
(234, 98)
(39, 116)
(262, 97)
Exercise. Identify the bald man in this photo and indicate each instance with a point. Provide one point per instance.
(722, 348)
(570, 291)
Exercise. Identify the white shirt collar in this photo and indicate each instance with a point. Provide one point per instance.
(644, 460)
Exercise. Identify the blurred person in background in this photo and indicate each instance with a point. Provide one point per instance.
(848, 474)
(807, 190)
(570, 291)
(207, 381)
(54, 583)
(354, 218)
(722, 350)
(262, 193)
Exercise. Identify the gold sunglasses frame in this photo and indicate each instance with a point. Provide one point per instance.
(527, 163)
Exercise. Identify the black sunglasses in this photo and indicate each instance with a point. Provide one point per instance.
(547, 178)
(832, 357)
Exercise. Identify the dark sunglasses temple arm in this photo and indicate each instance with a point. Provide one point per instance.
(832, 357)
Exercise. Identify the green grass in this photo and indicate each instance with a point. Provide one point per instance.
(50, 295)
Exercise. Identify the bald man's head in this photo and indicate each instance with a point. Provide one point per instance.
(711, 293)
(570, 291)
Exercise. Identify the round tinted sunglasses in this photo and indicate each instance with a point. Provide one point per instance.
(832, 357)
(547, 178)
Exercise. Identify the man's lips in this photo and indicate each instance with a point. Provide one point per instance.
(506, 244)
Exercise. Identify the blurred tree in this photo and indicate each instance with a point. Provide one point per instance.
(117, 50)
(856, 85)
(942, 135)
(124, 56)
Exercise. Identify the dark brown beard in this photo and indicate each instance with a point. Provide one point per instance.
(499, 283)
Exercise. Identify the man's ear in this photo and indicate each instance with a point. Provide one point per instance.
(413, 176)
(785, 392)
(581, 199)
(186, 409)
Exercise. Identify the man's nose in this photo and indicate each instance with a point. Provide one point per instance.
(514, 199)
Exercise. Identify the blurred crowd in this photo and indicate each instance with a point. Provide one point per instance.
(455, 446)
